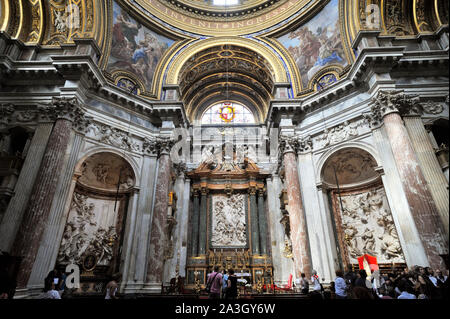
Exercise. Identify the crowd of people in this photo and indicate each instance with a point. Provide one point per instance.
(416, 283)
(222, 285)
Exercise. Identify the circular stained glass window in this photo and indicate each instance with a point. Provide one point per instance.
(228, 113)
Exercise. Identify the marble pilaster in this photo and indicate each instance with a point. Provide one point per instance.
(320, 238)
(128, 253)
(430, 166)
(184, 219)
(16, 207)
(283, 266)
(143, 220)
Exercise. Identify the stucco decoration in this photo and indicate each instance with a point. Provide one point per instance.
(369, 228)
(103, 171)
(228, 221)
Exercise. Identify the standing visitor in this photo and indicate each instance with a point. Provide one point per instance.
(304, 284)
(50, 291)
(112, 286)
(224, 284)
(231, 285)
(340, 286)
(316, 281)
(214, 283)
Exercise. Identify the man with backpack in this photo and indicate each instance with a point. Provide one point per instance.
(214, 284)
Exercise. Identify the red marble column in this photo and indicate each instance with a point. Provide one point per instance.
(423, 208)
(388, 105)
(299, 236)
(30, 232)
(158, 237)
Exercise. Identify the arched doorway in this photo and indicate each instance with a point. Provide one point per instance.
(94, 231)
(362, 218)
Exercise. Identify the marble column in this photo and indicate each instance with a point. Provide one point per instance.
(31, 230)
(299, 235)
(195, 220)
(48, 250)
(431, 169)
(388, 105)
(254, 222)
(202, 227)
(404, 222)
(16, 207)
(158, 236)
(262, 221)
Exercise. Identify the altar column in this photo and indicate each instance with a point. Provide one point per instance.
(387, 105)
(262, 222)
(158, 235)
(254, 222)
(194, 223)
(203, 217)
(299, 236)
(28, 239)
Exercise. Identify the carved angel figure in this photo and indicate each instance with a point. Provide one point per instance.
(369, 241)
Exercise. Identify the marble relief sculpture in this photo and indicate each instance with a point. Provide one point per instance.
(368, 227)
(228, 221)
(339, 133)
(83, 234)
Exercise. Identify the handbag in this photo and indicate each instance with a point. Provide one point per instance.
(209, 283)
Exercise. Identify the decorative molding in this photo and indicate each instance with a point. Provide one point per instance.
(113, 136)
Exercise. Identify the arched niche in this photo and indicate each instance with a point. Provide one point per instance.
(362, 219)
(94, 230)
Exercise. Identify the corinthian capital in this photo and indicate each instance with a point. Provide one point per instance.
(387, 102)
(304, 144)
(157, 145)
(287, 144)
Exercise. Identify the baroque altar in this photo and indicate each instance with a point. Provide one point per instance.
(228, 223)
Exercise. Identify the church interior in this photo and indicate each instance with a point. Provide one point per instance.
(159, 139)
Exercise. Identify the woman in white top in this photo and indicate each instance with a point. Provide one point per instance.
(316, 281)
(111, 287)
(50, 292)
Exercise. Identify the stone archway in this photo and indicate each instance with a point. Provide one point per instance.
(94, 230)
(362, 218)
